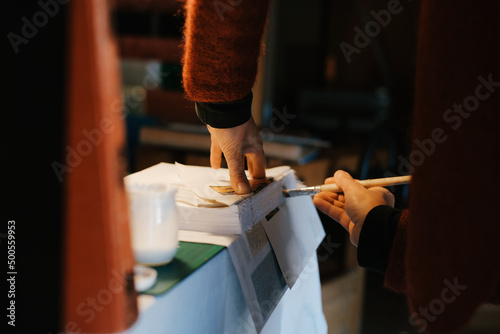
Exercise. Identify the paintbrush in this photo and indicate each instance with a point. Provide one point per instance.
(382, 182)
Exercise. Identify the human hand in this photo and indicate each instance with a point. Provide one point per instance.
(350, 208)
(237, 143)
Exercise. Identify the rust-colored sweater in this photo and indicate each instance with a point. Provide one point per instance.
(451, 236)
(222, 46)
(445, 254)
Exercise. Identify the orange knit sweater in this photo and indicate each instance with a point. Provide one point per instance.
(446, 254)
(222, 46)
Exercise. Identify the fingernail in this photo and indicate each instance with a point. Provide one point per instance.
(242, 188)
(339, 173)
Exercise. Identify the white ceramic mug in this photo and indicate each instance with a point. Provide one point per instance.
(153, 223)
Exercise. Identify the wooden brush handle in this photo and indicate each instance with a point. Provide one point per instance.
(382, 182)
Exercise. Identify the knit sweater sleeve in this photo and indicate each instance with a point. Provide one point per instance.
(222, 43)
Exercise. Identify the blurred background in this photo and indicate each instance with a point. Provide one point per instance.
(325, 98)
(320, 108)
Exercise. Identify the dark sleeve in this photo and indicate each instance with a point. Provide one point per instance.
(225, 115)
(376, 237)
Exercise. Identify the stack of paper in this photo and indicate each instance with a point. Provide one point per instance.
(207, 203)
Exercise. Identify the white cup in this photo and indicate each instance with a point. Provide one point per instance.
(153, 223)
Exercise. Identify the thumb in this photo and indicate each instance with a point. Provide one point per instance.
(345, 182)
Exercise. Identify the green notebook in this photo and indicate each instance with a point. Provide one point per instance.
(189, 257)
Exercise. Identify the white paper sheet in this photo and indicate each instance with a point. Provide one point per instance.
(207, 238)
(295, 232)
(200, 181)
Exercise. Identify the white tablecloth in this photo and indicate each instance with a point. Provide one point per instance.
(210, 300)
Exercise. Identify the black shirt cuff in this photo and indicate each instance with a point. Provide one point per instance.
(225, 115)
(376, 237)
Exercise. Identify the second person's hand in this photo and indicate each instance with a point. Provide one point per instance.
(351, 208)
